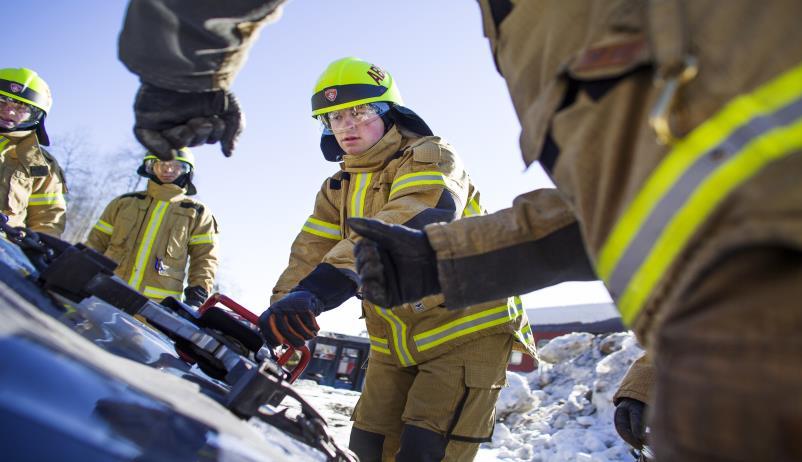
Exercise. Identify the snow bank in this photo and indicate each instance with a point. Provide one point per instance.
(561, 412)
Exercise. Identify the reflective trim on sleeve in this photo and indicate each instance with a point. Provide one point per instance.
(467, 325)
(146, 244)
(46, 199)
(697, 175)
(322, 228)
(379, 345)
(196, 239)
(157, 294)
(399, 332)
(360, 183)
(3, 142)
(104, 227)
(473, 208)
(417, 179)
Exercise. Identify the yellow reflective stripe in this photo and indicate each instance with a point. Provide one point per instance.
(146, 246)
(466, 325)
(379, 344)
(3, 142)
(762, 126)
(473, 208)
(158, 293)
(361, 183)
(399, 331)
(196, 239)
(322, 228)
(104, 227)
(417, 179)
(46, 199)
(706, 198)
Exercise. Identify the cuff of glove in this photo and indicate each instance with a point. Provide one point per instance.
(331, 285)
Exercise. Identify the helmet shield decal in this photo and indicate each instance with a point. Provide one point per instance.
(344, 94)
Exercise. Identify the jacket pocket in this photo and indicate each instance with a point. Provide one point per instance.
(590, 76)
(178, 237)
(19, 190)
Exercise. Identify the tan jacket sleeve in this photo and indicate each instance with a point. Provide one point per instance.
(639, 381)
(100, 235)
(534, 244)
(203, 250)
(319, 234)
(431, 186)
(191, 46)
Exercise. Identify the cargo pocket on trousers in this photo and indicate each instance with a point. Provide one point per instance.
(475, 414)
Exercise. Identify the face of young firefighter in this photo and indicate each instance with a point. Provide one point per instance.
(168, 171)
(357, 128)
(14, 113)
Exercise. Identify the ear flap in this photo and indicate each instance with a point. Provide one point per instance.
(331, 149)
(407, 118)
(41, 133)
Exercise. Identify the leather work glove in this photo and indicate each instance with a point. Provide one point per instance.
(630, 422)
(168, 120)
(195, 295)
(291, 320)
(396, 264)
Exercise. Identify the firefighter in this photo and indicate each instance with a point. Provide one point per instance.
(630, 402)
(32, 187)
(434, 375)
(676, 163)
(151, 234)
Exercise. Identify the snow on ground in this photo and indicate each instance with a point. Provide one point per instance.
(562, 412)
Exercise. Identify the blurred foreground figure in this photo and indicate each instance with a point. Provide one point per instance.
(673, 131)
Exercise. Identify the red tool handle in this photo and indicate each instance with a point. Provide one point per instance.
(248, 315)
(232, 305)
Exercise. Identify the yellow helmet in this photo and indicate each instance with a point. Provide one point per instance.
(351, 81)
(26, 86)
(184, 180)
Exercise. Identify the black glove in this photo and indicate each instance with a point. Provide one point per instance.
(195, 295)
(168, 120)
(396, 264)
(291, 320)
(630, 422)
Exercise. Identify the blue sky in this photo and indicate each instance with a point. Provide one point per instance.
(262, 195)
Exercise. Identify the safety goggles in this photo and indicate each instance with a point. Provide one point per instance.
(15, 114)
(344, 119)
(161, 167)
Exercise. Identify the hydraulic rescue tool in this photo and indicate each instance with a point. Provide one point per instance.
(223, 341)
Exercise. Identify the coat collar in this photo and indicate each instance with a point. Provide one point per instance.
(165, 192)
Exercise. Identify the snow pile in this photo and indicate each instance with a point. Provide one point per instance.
(561, 412)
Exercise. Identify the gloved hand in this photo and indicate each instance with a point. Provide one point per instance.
(291, 320)
(396, 264)
(630, 422)
(195, 295)
(168, 120)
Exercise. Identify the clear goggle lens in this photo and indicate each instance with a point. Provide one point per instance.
(344, 119)
(154, 165)
(18, 115)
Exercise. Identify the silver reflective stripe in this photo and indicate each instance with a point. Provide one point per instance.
(399, 336)
(358, 197)
(466, 327)
(673, 200)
